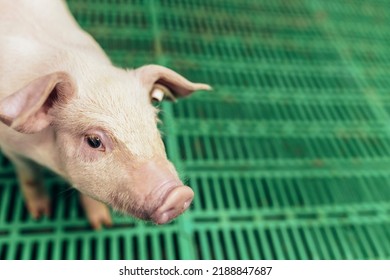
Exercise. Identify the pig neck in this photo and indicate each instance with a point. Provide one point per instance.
(38, 147)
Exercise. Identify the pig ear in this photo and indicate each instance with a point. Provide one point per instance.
(28, 109)
(178, 85)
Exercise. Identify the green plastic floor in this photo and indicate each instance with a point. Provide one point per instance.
(289, 156)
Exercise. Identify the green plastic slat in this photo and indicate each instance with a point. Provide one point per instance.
(5, 167)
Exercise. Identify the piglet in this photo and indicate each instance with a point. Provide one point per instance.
(64, 106)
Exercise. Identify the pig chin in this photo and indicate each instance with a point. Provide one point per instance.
(161, 206)
(128, 204)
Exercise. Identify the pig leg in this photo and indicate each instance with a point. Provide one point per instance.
(31, 184)
(97, 213)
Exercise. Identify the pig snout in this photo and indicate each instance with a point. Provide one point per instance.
(176, 202)
(159, 193)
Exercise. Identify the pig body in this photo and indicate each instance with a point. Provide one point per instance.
(63, 105)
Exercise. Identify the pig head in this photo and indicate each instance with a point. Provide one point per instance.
(100, 133)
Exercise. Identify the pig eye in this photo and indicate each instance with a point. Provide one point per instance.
(94, 142)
